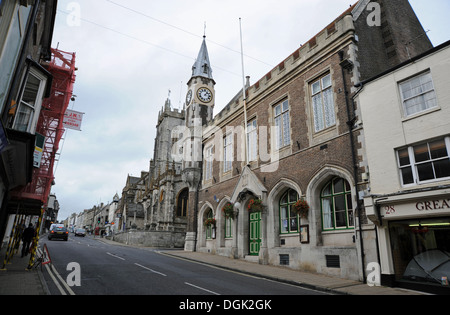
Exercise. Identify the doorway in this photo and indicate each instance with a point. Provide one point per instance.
(255, 233)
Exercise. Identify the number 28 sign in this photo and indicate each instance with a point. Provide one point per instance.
(389, 209)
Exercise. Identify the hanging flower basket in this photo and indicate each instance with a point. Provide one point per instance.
(228, 210)
(210, 221)
(301, 207)
(255, 205)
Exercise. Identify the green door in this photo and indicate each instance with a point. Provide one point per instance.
(255, 233)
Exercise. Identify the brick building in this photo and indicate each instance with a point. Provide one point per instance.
(300, 138)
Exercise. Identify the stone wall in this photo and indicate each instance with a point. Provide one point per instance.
(157, 239)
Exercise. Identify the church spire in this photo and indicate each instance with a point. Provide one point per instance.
(202, 66)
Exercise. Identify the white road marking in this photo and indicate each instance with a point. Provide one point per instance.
(116, 256)
(200, 288)
(159, 273)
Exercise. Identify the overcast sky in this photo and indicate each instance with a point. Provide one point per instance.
(131, 53)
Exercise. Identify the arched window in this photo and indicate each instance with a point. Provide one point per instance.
(182, 203)
(337, 206)
(228, 219)
(209, 227)
(289, 220)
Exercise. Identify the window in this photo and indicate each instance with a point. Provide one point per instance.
(418, 94)
(209, 163)
(416, 242)
(13, 21)
(337, 209)
(29, 104)
(424, 162)
(252, 139)
(289, 220)
(182, 203)
(210, 227)
(323, 104)
(282, 125)
(228, 153)
(228, 227)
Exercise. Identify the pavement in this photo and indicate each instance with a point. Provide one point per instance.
(18, 280)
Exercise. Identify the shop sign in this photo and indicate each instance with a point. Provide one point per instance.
(73, 120)
(433, 205)
(419, 207)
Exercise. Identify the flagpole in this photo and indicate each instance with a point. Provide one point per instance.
(244, 96)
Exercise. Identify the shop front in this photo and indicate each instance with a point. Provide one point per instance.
(414, 241)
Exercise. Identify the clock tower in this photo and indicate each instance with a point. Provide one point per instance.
(199, 111)
(200, 95)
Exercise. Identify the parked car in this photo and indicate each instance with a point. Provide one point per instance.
(80, 232)
(58, 232)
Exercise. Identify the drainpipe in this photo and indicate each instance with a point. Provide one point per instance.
(345, 64)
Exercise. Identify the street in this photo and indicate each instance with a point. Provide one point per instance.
(106, 269)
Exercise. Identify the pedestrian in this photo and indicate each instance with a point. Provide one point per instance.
(27, 238)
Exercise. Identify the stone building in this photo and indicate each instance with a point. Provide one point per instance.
(299, 138)
(295, 139)
(154, 205)
(132, 211)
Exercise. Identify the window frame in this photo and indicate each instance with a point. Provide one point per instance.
(413, 164)
(209, 228)
(34, 109)
(228, 152)
(182, 206)
(252, 134)
(348, 197)
(209, 157)
(324, 125)
(288, 210)
(282, 122)
(418, 95)
(228, 227)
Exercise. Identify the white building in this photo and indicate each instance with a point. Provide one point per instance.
(406, 115)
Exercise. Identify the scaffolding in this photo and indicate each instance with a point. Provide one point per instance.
(50, 126)
(33, 198)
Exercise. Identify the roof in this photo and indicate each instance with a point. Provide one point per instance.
(202, 66)
(405, 63)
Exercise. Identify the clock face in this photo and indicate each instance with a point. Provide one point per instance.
(204, 94)
(189, 97)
